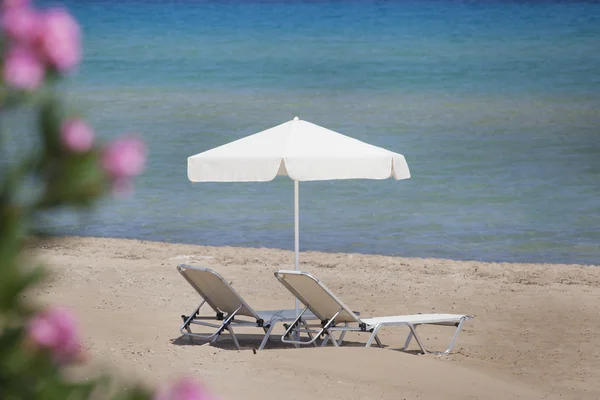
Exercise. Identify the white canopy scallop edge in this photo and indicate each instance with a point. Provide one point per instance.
(300, 150)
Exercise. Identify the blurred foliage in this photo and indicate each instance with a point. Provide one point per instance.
(66, 178)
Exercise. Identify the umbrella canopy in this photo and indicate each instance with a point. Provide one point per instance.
(300, 150)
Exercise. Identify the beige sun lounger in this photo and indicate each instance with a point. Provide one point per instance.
(336, 316)
(230, 309)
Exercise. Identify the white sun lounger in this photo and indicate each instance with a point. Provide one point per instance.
(332, 312)
(231, 310)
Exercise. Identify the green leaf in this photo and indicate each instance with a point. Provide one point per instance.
(50, 117)
(10, 233)
(135, 393)
(15, 282)
(76, 180)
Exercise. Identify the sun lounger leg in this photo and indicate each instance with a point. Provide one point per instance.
(186, 322)
(186, 325)
(310, 336)
(408, 340)
(214, 339)
(458, 329)
(378, 341)
(329, 337)
(267, 335)
(341, 339)
(324, 329)
(215, 336)
(374, 337)
(413, 330)
(232, 333)
(333, 340)
(190, 336)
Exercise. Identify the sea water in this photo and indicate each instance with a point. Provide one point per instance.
(496, 106)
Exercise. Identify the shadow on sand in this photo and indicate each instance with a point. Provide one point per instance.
(251, 342)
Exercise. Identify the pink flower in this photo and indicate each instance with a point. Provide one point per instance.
(59, 39)
(124, 158)
(22, 69)
(76, 135)
(184, 389)
(21, 24)
(55, 330)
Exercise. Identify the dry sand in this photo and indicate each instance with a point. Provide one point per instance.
(536, 332)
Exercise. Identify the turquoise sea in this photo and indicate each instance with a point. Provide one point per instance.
(496, 106)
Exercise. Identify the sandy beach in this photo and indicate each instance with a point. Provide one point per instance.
(534, 335)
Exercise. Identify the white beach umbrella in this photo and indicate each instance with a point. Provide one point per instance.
(300, 150)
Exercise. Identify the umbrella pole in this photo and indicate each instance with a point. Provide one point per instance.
(297, 233)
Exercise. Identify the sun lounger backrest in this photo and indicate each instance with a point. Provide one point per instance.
(315, 295)
(215, 290)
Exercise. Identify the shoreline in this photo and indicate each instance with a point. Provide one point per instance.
(310, 252)
(534, 334)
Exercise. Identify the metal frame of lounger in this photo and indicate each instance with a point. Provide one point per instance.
(229, 307)
(332, 311)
